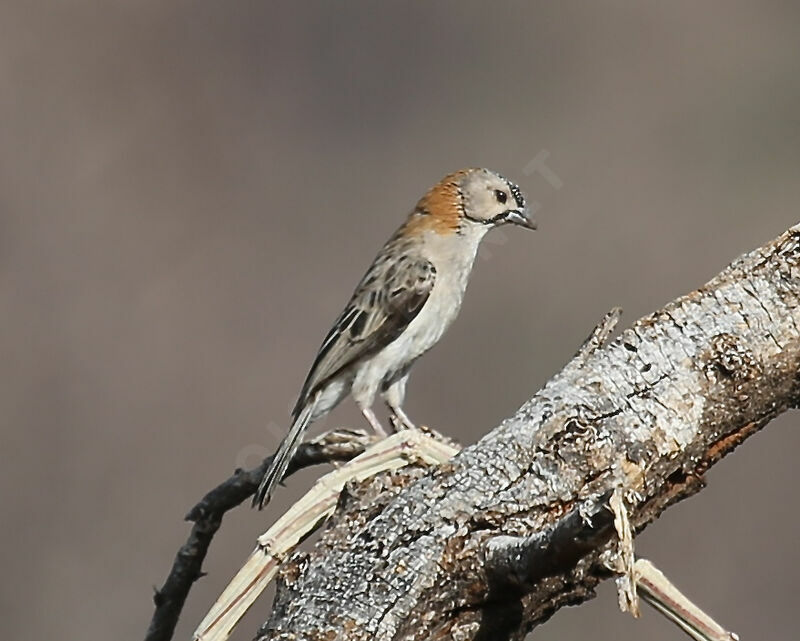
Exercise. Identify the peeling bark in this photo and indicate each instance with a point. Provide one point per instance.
(427, 554)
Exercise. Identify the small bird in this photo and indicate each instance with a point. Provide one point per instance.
(409, 296)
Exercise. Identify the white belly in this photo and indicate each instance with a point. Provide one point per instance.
(423, 332)
(435, 317)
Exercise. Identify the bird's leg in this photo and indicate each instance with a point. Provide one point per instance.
(401, 419)
(393, 396)
(374, 422)
(395, 423)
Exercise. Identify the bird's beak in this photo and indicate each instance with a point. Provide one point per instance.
(521, 217)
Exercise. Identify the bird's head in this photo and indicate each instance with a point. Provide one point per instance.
(472, 198)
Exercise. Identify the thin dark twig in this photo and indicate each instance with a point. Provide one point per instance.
(520, 562)
(338, 445)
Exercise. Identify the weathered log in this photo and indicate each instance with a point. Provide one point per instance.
(493, 542)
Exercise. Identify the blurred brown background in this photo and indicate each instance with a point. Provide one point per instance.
(190, 190)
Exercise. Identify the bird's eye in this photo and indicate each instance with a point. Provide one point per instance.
(501, 196)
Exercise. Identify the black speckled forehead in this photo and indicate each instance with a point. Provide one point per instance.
(515, 191)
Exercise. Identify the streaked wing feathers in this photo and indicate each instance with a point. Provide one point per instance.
(386, 300)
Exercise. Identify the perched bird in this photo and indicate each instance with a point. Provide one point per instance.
(409, 296)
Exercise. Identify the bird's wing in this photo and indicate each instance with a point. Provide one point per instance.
(386, 300)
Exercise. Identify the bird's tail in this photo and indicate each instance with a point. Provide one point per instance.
(281, 459)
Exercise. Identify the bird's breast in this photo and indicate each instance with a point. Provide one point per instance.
(453, 259)
(436, 315)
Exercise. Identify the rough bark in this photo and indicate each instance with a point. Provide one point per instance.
(493, 542)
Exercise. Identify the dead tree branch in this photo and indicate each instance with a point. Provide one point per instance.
(514, 527)
(207, 518)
